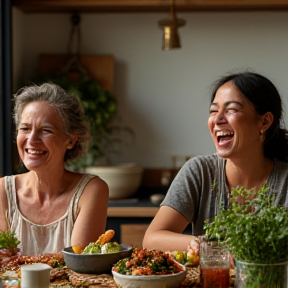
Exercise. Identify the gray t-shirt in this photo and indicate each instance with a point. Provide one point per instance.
(200, 189)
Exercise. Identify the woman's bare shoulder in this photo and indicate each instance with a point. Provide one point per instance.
(3, 206)
(2, 185)
(97, 183)
(95, 189)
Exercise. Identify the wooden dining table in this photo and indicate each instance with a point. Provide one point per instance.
(79, 280)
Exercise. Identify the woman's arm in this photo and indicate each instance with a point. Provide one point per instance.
(165, 231)
(92, 216)
(3, 206)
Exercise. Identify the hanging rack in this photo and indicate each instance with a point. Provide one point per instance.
(74, 65)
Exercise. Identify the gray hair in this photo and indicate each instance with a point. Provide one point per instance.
(68, 107)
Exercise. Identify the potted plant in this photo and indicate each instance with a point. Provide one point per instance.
(255, 231)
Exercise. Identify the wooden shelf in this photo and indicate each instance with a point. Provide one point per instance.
(132, 211)
(95, 6)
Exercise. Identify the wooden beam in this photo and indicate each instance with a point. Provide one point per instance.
(100, 6)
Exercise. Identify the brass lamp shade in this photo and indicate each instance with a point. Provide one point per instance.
(171, 39)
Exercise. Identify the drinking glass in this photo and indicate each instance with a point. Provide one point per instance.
(214, 265)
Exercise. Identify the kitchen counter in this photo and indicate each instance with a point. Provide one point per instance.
(132, 207)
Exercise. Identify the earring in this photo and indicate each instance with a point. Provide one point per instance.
(261, 136)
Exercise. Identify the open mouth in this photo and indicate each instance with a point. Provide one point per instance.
(223, 136)
(35, 152)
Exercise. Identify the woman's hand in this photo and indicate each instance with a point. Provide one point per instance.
(194, 244)
(193, 251)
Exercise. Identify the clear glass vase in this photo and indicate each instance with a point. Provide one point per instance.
(253, 275)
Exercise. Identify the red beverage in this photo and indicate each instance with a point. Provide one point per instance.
(215, 277)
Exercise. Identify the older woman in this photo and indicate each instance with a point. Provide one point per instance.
(50, 207)
(252, 150)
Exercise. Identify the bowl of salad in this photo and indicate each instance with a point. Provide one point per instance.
(148, 268)
(97, 257)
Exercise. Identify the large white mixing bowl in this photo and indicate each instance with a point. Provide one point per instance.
(123, 181)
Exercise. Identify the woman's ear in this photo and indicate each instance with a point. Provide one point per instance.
(267, 120)
(72, 141)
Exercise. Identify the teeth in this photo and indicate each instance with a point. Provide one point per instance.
(38, 152)
(224, 133)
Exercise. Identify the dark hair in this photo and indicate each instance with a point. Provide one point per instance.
(263, 94)
(66, 104)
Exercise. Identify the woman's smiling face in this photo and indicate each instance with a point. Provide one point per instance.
(41, 137)
(233, 123)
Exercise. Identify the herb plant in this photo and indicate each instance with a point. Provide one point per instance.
(255, 230)
(9, 241)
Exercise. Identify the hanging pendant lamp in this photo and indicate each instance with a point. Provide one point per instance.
(171, 39)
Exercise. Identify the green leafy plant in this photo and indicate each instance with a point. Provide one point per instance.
(9, 241)
(255, 230)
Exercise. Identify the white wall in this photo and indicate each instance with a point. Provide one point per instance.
(164, 95)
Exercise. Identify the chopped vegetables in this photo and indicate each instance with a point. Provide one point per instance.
(147, 262)
(179, 256)
(189, 258)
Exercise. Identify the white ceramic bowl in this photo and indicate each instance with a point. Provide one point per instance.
(123, 181)
(151, 281)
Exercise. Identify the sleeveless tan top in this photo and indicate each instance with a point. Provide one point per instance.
(40, 239)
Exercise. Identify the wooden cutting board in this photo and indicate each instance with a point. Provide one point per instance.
(99, 67)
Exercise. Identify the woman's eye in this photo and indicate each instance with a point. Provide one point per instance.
(231, 110)
(23, 128)
(212, 112)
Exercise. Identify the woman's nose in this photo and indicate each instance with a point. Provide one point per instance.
(34, 136)
(219, 118)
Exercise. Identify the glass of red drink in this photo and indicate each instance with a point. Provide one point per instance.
(214, 265)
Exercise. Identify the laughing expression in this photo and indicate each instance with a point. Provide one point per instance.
(233, 123)
(41, 138)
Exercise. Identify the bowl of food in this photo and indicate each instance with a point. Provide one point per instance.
(97, 257)
(148, 268)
